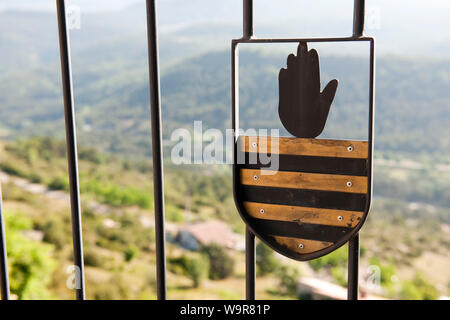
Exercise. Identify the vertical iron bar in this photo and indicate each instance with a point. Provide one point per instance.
(71, 144)
(248, 19)
(4, 279)
(235, 93)
(353, 268)
(158, 182)
(250, 274)
(358, 18)
(353, 244)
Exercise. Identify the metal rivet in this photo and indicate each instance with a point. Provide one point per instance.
(350, 148)
(301, 246)
(254, 144)
(255, 177)
(340, 218)
(349, 184)
(261, 210)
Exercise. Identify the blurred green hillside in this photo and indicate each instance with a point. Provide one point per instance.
(412, 103)
(407, 234)
(409, 243)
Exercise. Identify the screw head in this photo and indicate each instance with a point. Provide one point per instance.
(261, 210)
(301, 245)
(255, 177)
(349, 184)
(350, 148)
(340, 218)
(254, 144)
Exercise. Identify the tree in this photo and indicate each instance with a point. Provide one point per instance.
(221, 265)
(288, 278)
(265, 259)
(195, 266)
(30, 263)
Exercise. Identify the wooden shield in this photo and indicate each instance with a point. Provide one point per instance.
(317, 199)
(317, 195)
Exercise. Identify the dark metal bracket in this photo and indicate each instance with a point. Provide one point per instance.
(248, 38)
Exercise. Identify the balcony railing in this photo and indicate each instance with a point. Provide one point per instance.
(156, 125)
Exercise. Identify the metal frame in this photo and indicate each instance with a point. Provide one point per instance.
(158, 175)
(152, 37)
(71, 144)
(352, 237)
(4, 279)
(72, 157)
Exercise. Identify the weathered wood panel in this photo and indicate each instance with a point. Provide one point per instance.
(302, 245)
(340, 218)
(302, 180)
(306, 147)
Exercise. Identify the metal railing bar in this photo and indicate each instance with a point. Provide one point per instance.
(71, 144)
(4, 278)
(358, 18)
(250, 254)
(250, 272)
(353, 268)
(247, 19)
(158, 181)
(353, 244)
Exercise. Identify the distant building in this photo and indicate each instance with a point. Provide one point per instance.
(193, 236)
(317, 289)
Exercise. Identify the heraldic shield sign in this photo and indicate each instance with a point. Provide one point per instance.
(319, 195)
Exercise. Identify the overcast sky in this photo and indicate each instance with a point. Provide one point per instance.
(400, 26)
(400, 13)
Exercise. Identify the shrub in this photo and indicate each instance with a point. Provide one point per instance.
(386, 271)
(93, 258)
(265, 259)
(11, 191)
(116, 288)
(221, 265)
(174, 214)
(418, 289)
(91, 155)
(339, 274)
(130, 253)
(177, 265)
(334, 259)
(31, 263)
(11, 169)
(117, 196)
(288, 278)
(197, 269)
(57, 231)
(59, 183)
(194, 266)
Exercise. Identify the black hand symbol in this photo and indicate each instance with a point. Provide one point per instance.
(303, 109)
